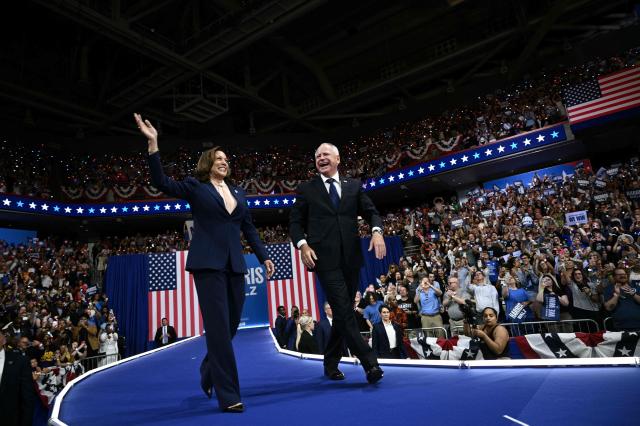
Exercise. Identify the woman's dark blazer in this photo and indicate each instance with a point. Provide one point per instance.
(380, 341)
(216, 240)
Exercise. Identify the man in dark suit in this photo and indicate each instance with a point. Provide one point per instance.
(165, 334)
(16, 387)
(281, 325)
(324, 226)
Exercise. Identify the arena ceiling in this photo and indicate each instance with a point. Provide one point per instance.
(81, 67)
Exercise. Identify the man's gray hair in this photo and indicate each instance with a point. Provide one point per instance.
(330, 145)
(326, 305)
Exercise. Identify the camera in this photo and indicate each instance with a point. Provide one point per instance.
(470, 313)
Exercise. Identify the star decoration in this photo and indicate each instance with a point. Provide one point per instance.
(431, 167)
(156, 207)
(67, 209)
(554, 134)
(442, 164)
(145, 208)
(372, 183)
(125, 209)
(187, 206)
(401, 176)
(540, 138)
(80, 210)
(92, 210)
(256, 203)
(266, 202)
(453, 161)
(103, 210)
(56, 208)
(561, 353)
(276, 201)
(381, 180)
(20, 203)
(501, 149)
(293, 200)
(527, 142)
(364, 185)
(464, 158)
(32, 205)
(6, 202)
(421, 170)
(285, 201)
(45, 207)
(514, 145)
(114, 209)
(167, 207)
(488, 152)
(135, 208)
(177, 206)
(391, 178)
(410, 173)
(476, 155)
(624, 351)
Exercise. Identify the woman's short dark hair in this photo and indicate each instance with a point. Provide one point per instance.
(383, 307)
(205, 163)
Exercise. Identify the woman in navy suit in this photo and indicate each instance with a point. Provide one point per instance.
(386, 337)
(215, 259)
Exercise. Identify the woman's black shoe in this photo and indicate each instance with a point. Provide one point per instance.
(334, 374)
(235, 408)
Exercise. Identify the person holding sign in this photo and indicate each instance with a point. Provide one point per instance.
(216, 259)
(551, 295)
(517, 303)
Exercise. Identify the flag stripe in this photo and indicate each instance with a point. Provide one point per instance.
(617, 75)
(613, 87)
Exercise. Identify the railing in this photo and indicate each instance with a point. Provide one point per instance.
(98, 361)
(609, 325)
(537, 327)
(411, 333)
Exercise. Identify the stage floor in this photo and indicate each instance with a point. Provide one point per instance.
(163, 389)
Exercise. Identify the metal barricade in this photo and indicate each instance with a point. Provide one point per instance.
(609, 325)
(98, 361)
(537, 327)
(427, 332)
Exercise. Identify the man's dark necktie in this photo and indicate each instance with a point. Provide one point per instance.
(333, 193)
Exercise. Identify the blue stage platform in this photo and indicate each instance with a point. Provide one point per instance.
(162, 388)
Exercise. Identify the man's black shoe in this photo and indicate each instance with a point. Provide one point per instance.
(374, 375)
(334, 374)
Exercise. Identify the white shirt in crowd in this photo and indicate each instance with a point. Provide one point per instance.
(485, 295)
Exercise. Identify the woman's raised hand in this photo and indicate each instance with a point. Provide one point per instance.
(147, 129)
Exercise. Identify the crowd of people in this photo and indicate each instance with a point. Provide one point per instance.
(534, 102)
(51, 308)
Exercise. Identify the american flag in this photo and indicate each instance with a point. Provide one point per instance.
(291, 284)
(172, 295)
(603, 96)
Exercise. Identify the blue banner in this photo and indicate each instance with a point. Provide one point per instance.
(492, 265)
(255, 312)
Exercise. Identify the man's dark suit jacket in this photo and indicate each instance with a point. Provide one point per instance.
(332, 233)
(322, 333)
(380, 341)
(216, 233)
(170, 331)
(281, 325)
(17, 392)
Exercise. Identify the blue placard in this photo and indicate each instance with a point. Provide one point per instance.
(551, 308)
(492, 265)
(255, 312)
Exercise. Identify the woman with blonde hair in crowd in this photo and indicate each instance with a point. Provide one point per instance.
(305, 342)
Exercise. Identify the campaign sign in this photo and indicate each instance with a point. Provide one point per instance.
(551, 307)
(492, 266)
(255, 311)
(576, 218)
